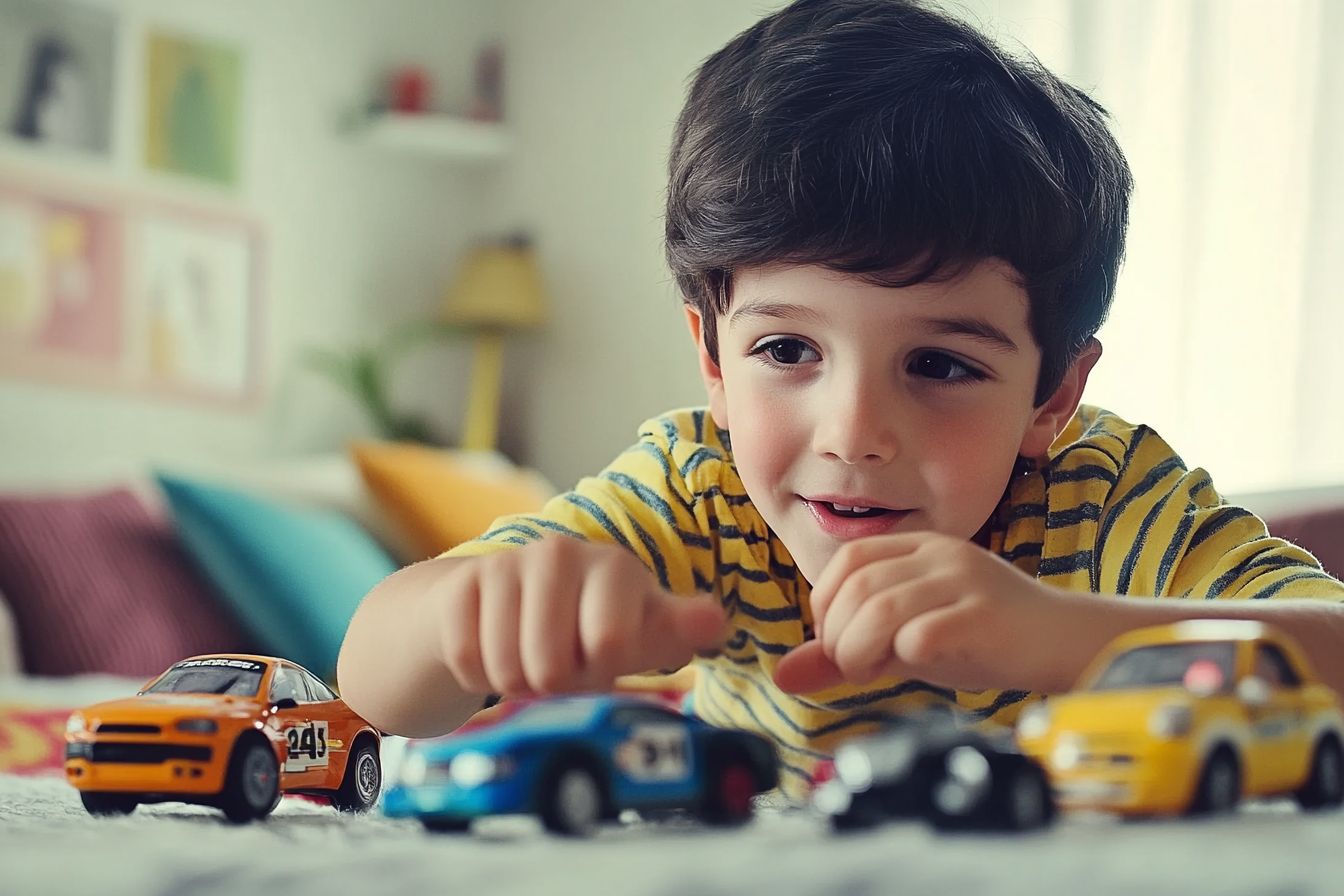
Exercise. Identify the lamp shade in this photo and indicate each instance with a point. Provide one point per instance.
(499, 286)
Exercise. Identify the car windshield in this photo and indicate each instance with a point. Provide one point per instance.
(235, 678)
(1202, 666)
(555, 713)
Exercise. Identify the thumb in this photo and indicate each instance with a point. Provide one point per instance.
(806, 669)
(676, 627)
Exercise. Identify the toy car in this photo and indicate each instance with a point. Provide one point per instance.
(932, 766)
(1189, 718)
(232, 731)
(577, 760)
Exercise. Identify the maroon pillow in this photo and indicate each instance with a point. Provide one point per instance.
(99, 584)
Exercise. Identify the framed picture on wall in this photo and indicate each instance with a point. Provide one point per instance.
(195, 291)
(57, 65)
(129, 292)
(193, 107)
(62, 306)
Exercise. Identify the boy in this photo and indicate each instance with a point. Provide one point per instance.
(895, 244)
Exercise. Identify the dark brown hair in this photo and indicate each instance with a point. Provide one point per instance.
(886, 139)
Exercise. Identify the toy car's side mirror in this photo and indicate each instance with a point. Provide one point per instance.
(1253, 691)
(286, 703)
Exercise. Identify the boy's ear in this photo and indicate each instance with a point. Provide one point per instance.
(1054, 415)
(709, 370)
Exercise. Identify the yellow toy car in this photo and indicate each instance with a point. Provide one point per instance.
(231, 731)
(1189, 718)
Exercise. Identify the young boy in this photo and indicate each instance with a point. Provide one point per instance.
(896, 244)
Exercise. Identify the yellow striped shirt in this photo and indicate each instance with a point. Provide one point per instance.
(1112, 511)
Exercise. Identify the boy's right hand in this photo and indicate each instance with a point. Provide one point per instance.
(564, 615)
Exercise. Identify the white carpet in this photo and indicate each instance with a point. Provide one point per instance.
(48, 846)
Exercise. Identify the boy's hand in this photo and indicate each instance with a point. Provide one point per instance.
(933, 607)
(565, 615)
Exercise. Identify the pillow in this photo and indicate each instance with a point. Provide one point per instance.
(294, 575)
(98, 583)
(11, 660)
(319, 480)
(442, 498)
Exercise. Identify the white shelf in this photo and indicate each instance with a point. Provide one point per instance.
(440, 136)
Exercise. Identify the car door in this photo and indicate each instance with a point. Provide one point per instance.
(308, 755)
(652, 756)
(1278, 723)
(340, 723)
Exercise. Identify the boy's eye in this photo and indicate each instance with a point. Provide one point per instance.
(941, 366)
(784, 350)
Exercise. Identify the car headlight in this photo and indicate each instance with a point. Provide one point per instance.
(1068, 752)
(75, 724)
(198, 726)
(1170, 721)
(853, 768)
(1034, 722)
(471, 769)
(412, 770)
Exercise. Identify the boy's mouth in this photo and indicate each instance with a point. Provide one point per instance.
(853, 512)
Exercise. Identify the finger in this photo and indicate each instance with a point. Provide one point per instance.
(549, 633)
(461, 643)
(865, 648)
(675, 628)
(499, 630)
(879, 576)
(806, 669)
(851, 557)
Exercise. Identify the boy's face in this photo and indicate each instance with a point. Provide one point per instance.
(859, 410)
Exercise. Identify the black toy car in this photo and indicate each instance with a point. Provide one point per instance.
(932, 766)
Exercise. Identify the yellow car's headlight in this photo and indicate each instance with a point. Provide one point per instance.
(1034, 722)
(75, 724)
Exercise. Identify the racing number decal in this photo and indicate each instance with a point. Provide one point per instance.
(307, 746)
(655, 753)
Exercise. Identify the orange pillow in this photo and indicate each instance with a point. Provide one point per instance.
(443, 498)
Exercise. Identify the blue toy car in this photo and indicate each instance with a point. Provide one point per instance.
(575, 761)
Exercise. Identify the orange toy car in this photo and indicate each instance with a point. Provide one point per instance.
(232, 731)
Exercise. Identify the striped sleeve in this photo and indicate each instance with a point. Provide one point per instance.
(1164, 531)
(640, 502)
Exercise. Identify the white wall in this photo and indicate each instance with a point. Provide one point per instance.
(357, 239)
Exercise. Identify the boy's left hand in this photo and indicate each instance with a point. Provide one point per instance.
(937, 608)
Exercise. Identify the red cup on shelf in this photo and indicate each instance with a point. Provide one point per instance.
(409, 90)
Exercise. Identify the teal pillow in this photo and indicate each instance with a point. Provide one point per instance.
(292, 575)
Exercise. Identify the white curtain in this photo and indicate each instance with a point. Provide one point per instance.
(1227, 334)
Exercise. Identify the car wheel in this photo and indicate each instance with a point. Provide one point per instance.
(442, 825)
(1219, 788)
(252, 783)
(1325, 784)
(108, 804)
(571, 801)
(362, 781)
(1028, 803)
(729, 787)
(863, 813)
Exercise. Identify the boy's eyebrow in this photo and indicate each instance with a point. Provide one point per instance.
(974, 327)
(782, 310)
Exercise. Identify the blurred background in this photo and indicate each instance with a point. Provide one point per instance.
(229, 231)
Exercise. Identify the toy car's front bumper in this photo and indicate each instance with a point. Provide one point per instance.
(448, 800)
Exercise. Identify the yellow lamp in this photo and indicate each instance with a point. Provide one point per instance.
(499, 288)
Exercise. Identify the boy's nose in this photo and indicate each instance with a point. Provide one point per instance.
(857, 424)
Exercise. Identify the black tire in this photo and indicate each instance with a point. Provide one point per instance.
(1219, 789)
(1325, 783)
(252, 783)
(730, 784)
(107, 805)
(572, 799)
(441, 825)
(1026, 802)
(363, 779)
